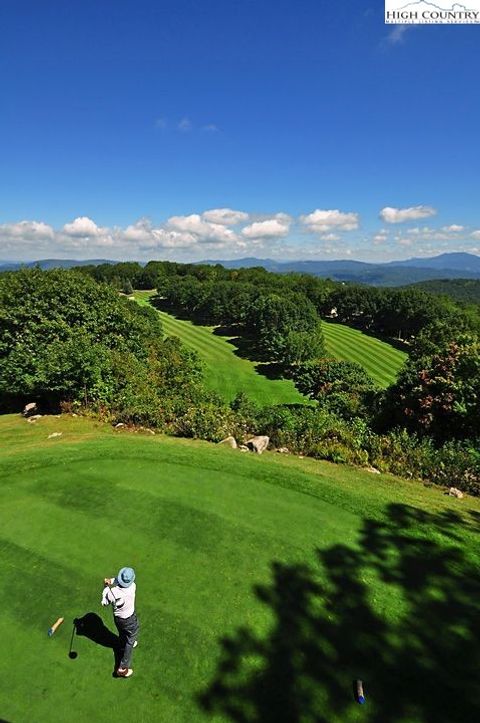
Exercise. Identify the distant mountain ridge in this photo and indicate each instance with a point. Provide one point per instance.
(460, 261)
(456, 265)
(46, 264)
(393, 273)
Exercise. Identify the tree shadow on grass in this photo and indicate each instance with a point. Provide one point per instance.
(198, 319)
(247, 347)
(274, 370)
(228, 330)
(91, 626)
(401, 611)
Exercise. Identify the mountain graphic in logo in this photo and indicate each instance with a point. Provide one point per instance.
(437, 5)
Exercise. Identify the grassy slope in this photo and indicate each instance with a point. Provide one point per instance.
(382, 361)
(225, 372)
(389, 593)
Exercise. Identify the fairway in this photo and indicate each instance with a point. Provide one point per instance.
(225, 372)
(265, 585)
(381, 360)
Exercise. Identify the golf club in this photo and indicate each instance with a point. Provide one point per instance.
(72, 654)
(54, 627)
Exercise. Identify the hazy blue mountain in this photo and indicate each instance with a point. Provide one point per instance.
(393, 273)
(53, 264)
(458, 261)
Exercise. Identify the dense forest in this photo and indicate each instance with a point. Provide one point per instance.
(207, 291)
(463, 290)
(69, 340)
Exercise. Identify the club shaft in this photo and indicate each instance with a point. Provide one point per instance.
(71, 639)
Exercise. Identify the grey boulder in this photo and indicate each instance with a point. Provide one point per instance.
(29, 409)
(258, 444)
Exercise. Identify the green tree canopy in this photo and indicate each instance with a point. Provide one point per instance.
(57, 329)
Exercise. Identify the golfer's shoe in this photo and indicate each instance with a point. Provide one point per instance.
(135, 643)
(124, 672)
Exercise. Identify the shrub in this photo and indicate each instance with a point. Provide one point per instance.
(312, 431)
(437, 394)
(206, 420)
(458, 464)
(401, 453)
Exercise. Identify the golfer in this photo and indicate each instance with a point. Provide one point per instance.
(120, 593)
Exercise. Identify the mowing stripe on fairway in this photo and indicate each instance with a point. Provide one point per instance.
(225, 372)
(381, 360)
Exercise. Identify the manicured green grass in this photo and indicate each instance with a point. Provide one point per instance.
(266, 585)
(225, 372)
(381, 360)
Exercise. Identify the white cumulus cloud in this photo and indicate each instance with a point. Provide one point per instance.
(202, 230)
(276, 227)
(400, 215)
(26, 230)
(453, 228)
(330, 237)
(227, 233)
(225, 216)
(322, 221)
(83, 227)
(148, 236)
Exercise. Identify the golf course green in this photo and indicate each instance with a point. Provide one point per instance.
(265, 584)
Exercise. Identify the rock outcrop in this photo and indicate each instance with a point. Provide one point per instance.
(29, 409)
(258, 444)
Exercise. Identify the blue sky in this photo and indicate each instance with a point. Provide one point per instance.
(123, 124)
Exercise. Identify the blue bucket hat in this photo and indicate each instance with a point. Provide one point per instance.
(126, 576)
